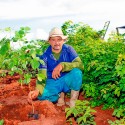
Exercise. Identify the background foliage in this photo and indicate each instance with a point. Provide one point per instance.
(104, 62)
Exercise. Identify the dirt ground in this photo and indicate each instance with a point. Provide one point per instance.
(15, 110)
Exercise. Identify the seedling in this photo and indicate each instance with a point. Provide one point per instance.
(33, 114)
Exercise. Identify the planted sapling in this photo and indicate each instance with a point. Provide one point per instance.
(33, 114)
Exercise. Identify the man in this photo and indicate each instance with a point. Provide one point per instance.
(63, 71)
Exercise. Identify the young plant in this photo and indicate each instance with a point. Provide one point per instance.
(117, 122)
(82, 113)
(33, 114)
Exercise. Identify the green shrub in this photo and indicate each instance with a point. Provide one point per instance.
(82, 112)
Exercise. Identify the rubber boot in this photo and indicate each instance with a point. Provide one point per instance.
(61, 101)
(74, 97)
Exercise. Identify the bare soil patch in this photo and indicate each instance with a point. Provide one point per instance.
(15, 110)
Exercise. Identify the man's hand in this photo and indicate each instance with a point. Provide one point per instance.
(56, 71)
(32, 95)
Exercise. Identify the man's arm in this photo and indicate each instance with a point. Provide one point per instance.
(68, 66)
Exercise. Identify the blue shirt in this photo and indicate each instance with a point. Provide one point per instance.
(68, 54)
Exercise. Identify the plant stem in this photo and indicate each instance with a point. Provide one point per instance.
(32, 107)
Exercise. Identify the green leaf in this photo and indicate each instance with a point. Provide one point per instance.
(14, 68)
(117, 91)
(5, 48)
(80, 119)
(69, 111)
(27, 78)
(34, 64)
(75, 112)
(41, 76)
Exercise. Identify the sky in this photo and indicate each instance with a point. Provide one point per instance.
(42, 15)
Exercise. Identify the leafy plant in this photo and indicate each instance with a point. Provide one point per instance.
(104, 64)
(24, 60)
(117, 122)
(119, 112)
(82, 112)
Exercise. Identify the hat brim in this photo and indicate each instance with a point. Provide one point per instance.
(62, 36)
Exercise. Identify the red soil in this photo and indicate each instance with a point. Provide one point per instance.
(15, 110)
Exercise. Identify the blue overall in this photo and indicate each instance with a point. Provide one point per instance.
(68, 80)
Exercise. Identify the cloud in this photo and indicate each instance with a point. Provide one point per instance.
(44, 14)
(41, 34)
(16, 9)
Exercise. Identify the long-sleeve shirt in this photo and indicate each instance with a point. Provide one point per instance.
(67, 66)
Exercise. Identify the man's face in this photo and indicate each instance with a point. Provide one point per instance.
(56, 43)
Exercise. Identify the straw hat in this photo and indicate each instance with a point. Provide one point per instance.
(56, 32)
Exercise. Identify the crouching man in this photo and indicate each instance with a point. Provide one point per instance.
(64, 71)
